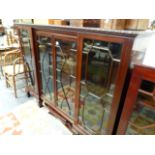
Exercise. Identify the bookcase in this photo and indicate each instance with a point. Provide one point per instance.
(78, 73)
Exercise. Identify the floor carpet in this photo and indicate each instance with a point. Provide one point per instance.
(29, 119)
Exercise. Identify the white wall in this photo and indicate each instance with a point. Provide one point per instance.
(145, 42)
(40, 21)
(7, 22)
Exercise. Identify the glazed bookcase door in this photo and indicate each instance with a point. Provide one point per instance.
(142, 119)
(100, 64)
(66, 62)
(45, 52)
(27, 50)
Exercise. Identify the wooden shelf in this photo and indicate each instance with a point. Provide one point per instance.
(99, 48)
(73, 50)
(72, 76)
(145, 92)
(57, 69)
(116, 60)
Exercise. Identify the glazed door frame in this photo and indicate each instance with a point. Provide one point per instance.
(139, 73)
(54, 36)
(42, 33)
(65, 37)
(33, 53)
(121, 74)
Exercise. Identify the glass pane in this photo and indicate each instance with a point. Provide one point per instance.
(142, 120)
(26, 46)
(100, 62)
(66, 75)
(46, 66)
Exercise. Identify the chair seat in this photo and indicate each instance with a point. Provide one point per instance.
(19, 68)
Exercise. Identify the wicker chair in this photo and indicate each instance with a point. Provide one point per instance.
(1, 64)
(15, 69)
(7, 61)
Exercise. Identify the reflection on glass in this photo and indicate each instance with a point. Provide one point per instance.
(66, 75)
(46, 66)
(142, 120)
(100, 62)
(26, 47)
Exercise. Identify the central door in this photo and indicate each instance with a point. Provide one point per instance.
(66, 63)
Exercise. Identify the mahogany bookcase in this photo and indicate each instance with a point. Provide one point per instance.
(79, 73)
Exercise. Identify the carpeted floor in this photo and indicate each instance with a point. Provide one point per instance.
(22, 116)
(29, 119)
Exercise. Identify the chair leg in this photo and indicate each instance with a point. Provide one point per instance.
(14, 86)
(1, 72)
(26, 82)
(6, 82)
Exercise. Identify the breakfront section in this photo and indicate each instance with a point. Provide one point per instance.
(104, 62)
(26, 45)
(138, 117)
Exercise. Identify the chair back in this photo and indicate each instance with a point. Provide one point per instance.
(11, 56)
(20, 66)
